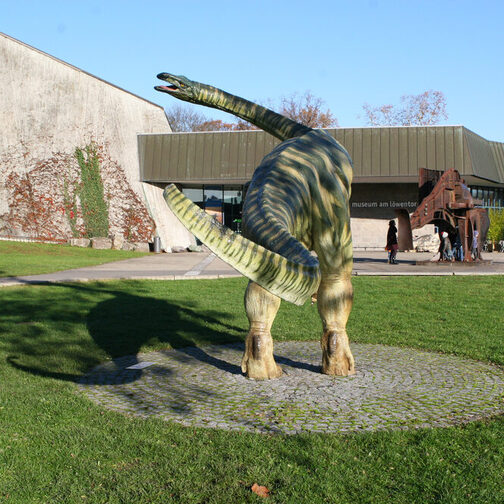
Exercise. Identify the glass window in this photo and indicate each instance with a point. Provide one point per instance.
(224, 203)
(195, 194)
(233, 202)
(212, 196)
(491, 198)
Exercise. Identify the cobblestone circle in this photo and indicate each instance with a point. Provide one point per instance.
(393, 388)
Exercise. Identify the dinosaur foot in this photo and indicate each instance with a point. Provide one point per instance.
(258, 361)
(337, 358)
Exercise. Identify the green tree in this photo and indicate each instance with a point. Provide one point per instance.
(496, 229)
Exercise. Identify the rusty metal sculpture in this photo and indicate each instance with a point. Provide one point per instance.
(446, 201)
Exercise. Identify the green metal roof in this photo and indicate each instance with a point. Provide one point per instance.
(486, 159)
(385, 154)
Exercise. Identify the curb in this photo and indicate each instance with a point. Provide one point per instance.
(18, 283)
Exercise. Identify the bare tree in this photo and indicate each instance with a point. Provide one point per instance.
(415, 110)
(218, 125)
(242, 125)
(183, 118)
(307, 110)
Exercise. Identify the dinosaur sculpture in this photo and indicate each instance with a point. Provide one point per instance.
(297, 202)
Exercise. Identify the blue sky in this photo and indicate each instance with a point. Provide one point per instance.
(345, 52)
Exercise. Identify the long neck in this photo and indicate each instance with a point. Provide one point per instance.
(269, 121)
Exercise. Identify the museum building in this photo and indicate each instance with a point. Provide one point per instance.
(49, 108)
(212, 168)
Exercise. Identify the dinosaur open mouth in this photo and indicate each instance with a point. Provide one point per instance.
(169, 89)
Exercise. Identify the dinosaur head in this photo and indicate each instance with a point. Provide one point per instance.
(180, 87)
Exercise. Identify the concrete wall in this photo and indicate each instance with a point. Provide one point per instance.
(371, 234)
(47, 109)
(172, 233)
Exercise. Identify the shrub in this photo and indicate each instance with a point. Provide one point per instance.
(496, 229)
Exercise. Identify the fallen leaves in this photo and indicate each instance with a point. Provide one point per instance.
(262, 491)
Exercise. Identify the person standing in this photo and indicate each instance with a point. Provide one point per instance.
(447, 248)
(475, 246)
(441, 246)
(458, 251)
(392, 245)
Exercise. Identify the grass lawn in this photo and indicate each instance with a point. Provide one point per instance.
(24, 258)
(58, 447)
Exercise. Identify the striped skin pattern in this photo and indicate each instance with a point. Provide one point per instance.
(269, 121)
(297, 202)
(286, 278)
(195, 92)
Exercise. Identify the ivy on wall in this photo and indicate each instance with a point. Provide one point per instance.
(95, 212)
(70, 208)
(70, 194)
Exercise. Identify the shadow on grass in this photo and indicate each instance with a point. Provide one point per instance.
(74, 327)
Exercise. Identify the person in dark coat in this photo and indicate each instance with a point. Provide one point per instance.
(458, 251)
(392, 245)
(441, 246)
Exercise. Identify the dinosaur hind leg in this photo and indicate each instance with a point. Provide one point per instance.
(261, 307)
(334, 300)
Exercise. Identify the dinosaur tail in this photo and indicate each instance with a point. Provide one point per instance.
(290, 280)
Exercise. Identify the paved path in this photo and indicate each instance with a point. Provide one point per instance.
(206, 265)
(393, 388)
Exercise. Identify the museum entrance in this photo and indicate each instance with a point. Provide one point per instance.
(223, 202)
